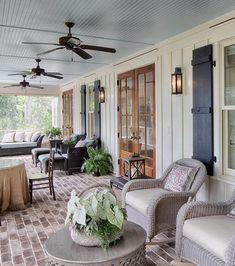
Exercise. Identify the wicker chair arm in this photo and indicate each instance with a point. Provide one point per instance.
(193, 210)
(140, 184)
(176, 196)
(230, 252)
(163, 209)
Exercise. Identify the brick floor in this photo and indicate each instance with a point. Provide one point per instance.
(24, 233)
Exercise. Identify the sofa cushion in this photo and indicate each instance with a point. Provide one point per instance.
(140, 199)
(28, 136)
(212, 233)
(89, 142)
(35, 136)
(18, 145)
(8, 137)
(80, 143)
(19, 136)
(178, 178)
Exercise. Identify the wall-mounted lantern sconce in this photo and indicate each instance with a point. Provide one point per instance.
(176, 81)
(102, 95)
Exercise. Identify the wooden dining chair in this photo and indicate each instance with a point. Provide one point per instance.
(41, 181)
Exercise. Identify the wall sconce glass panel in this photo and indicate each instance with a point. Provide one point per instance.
(176, 81)
(102, 95)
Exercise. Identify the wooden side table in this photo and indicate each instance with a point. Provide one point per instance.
(129, 250)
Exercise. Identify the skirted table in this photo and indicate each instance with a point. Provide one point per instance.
(129, 250)
(14, 193)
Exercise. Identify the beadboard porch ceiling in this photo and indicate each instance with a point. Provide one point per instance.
(126, 25)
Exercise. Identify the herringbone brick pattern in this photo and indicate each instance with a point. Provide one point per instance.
(23, 233)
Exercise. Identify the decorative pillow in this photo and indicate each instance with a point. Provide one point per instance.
(89, 142)
(80, 143)
(73, 137)
(35, 136)
(19, 136)
(8, 137)
(178, 178)
(28, 136)
(191, 176)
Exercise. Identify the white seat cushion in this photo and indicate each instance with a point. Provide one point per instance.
(212, 233)
(140, 199)
(18, 145)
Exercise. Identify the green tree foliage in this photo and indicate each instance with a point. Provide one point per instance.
(25, 113)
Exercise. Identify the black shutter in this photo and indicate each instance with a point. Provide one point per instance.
(202, 110)
(97, 114)
(83, 109)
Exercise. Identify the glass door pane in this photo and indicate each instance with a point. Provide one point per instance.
(126, 115)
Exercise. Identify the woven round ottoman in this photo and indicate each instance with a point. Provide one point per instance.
(36, 152)
(59, 162)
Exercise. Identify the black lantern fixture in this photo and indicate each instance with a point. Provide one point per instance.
(176, 81)
(102, 95)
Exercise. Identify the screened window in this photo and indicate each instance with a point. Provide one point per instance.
(229, 110)
(27, 113)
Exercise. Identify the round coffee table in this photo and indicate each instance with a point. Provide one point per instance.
(129, 250)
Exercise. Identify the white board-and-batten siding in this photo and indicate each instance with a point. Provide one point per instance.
(174, 127)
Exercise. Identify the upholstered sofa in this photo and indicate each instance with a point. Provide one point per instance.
(20, 143)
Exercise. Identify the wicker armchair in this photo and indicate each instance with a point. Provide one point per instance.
(212, 242)
(155, 208)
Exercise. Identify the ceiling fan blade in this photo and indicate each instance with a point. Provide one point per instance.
(54, 73)
(36, 87)
(47, 43)
(21, 73)
(81, 53)
(52, 50)
(33, 76)
(52, 76)
(12, 85)
(98, 48)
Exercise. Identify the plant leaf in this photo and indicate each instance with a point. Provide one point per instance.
(79, 215)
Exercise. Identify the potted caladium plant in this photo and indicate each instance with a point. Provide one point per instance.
(95, 218)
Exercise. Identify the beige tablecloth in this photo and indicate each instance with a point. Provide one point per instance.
(14, 192)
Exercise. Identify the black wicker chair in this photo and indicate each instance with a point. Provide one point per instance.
(75, 157)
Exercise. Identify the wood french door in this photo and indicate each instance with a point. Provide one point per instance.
(67, 109)
(136, 108)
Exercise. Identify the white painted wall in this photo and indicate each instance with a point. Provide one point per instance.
(174, 118)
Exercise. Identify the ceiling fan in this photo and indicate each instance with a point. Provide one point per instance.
(38, 71)
(24, 84)
(74, 44)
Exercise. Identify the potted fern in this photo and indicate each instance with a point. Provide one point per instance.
(54, 133)
(99, 162)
